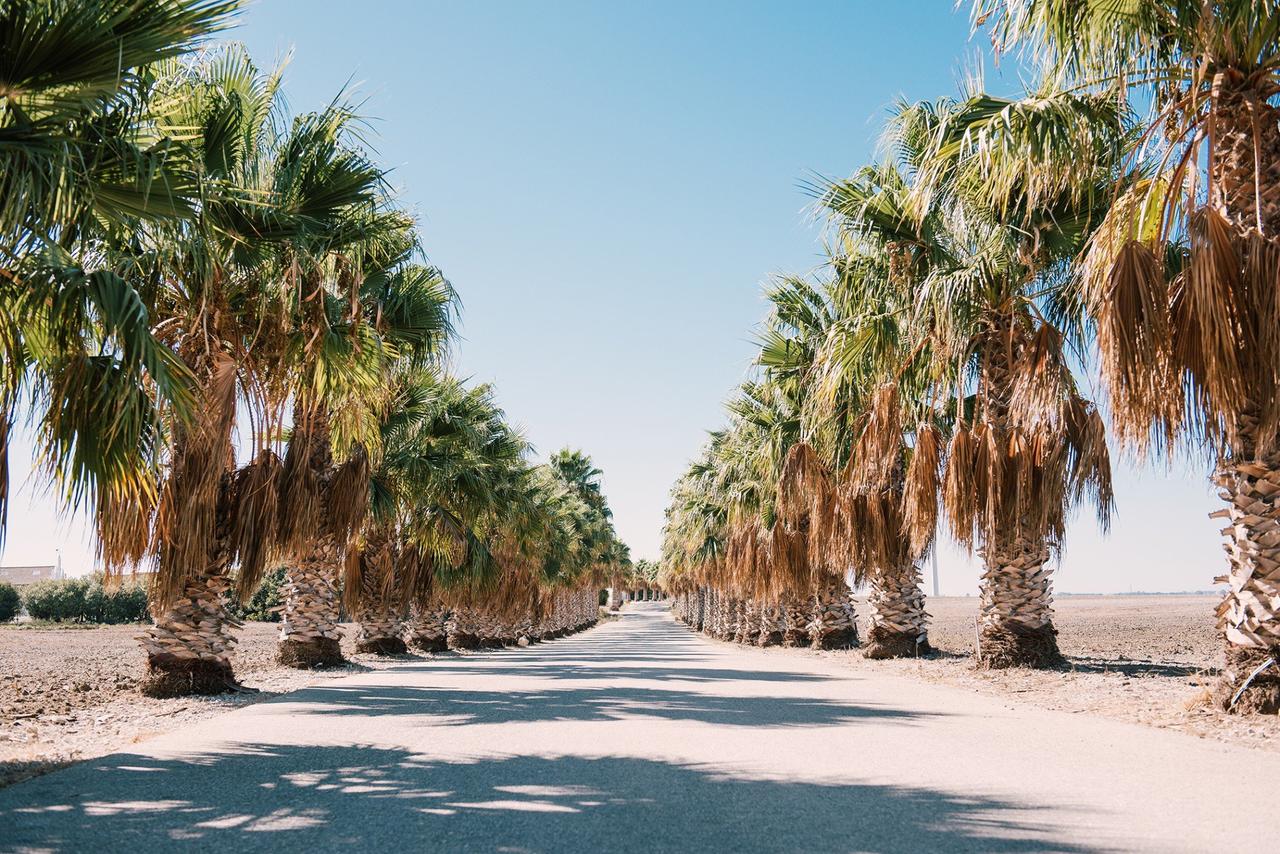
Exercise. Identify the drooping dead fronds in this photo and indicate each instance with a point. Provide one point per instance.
(253, 498)
(416, 576)
(922, 487)
(879, 449)
(123, 520)
(1039, 381)
(307, 459)
(1090, 459)
(1214, 334)
(352, 577)
(189, 518)
(347, 497)
(803, 481)
(960, 491)
(1130, 302)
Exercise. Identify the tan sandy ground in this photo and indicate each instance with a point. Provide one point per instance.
(1144, 659)
(68, 694)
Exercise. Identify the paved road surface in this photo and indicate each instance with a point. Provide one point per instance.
(641, 736)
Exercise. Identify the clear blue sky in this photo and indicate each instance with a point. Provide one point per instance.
(608, 185)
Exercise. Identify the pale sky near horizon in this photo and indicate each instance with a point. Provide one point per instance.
(608, 186)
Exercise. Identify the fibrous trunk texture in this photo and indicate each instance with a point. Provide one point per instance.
(832, 624)
(1247, 615)
(309, 633)
(795, 622)
(1016, 622)
(1245, 157)
(462, 629)
(189, 647)
(771, 626)
(748, 629)
(899, 624)
(1245, 168)
(429, 629)
(381, 621)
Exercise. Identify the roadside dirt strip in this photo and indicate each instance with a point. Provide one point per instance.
(641, 736)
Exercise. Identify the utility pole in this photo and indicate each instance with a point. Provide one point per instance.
(934, 552)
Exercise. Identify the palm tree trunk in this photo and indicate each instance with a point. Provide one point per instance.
(189, 647)
(771, 626)
(463, 629)
(795, 621)
(832, 624)
(728, 624)
(1245, 166)
(1016, 621)
(381, 621)
(899, 624)
(748, 623)
(429, 628)
(1249, 614)
(309, 633)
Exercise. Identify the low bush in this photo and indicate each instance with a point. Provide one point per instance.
(10, 602)
(86, 600)
(269, 595)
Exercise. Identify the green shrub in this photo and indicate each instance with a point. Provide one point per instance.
(270, 594)
(86, 600)
(10, 602)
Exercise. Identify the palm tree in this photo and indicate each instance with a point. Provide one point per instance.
(989, 356)
(80, 168)
(1180, 279)
(830, 337)
(227, 324)
(364, 305)
(211, 308)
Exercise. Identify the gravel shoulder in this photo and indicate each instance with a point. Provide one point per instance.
(69, 694)
(1146, 659)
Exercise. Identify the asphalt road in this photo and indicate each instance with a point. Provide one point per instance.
(641, 736)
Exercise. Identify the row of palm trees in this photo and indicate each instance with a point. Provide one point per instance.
(1122, 218)
(220, 325)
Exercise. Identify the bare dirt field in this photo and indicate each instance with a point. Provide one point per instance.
(1147, 659)
(70, 693)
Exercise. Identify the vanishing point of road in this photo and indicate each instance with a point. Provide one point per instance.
(639, 735)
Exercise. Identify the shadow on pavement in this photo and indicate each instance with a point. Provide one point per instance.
(264, 798)
(468, 706)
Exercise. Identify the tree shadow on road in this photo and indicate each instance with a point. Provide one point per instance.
(613, 671)
(267, 798)
(606, 702)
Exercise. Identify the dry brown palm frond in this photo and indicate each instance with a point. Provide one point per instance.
(1090, 463)
(301, 498)
(994, 478)
(347, 500)
(416, 576)
(123, 527)
(960, 490)
(803, 480)
(1039, 382)
(922, 487)
(1213, 336)
(191, 510)
(1131, 304)
(1262, 276)
(879, 448)
(254, 500)
(881, 543)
